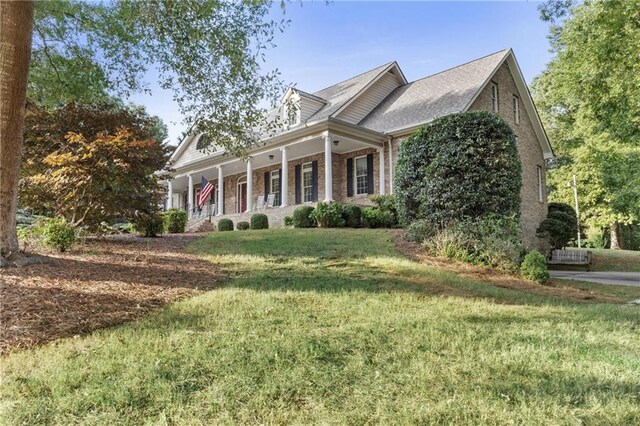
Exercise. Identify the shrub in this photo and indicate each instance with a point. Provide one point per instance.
(352, 215)
(492, 241)
(420, 230)
(328, 215)
(288, 221)
(387, 203)
(373, 217)
(243, 226)
(57, 233)
(560, 225)
(259, 221)
(149, 224)
(175, 221)
(124, 228)
(459, 166)
(225, 225)
(303, 217)
(534, 267)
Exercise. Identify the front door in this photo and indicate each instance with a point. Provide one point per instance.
(242, 197)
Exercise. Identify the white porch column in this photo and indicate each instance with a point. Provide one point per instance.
(284, 184)
(220, 191)
(390, 166)
(328, 169)
(381, 162)
(249, 185)
(170, 194)
(190, 194)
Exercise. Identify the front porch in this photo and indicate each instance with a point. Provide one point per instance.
(327, 166)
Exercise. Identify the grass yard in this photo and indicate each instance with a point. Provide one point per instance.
(335, 326)
(615, 260)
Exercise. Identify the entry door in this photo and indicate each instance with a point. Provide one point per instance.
(242, 197)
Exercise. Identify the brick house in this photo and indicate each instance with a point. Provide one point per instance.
(356, 127)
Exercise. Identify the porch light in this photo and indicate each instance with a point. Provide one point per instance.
(270, 156)
(336, 142)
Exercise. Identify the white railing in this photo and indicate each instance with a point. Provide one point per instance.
(208, 211)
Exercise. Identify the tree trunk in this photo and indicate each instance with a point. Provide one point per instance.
(16, 24)
(616, 243)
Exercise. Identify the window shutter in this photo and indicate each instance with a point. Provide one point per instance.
(370, 173)
(267, 181)
(314, 180)
(350, 177)
(298, 191)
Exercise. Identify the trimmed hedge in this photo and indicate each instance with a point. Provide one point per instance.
(225, 225)
(302, 217)
(175, 221)
(374, 217)
(459, 166)
(328, 215)
(243, 226)
(352, 215)
(560, 226)
(288, 221)
(149, 224)
(259, 221)
(534, 267)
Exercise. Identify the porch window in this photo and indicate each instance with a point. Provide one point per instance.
(361, 172)
(275, 187)
(307, 182)
(494, 97)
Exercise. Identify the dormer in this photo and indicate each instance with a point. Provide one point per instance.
(298, 106)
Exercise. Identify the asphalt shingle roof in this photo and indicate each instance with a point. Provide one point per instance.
(423, 100)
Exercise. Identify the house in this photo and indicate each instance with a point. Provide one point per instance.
(342, 142)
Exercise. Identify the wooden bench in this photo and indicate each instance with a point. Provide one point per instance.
(570, 259)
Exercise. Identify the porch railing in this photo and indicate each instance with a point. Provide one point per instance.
(207, 211)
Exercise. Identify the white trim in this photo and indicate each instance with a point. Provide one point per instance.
(381, 189)
(355, 175)
(328, 168)
(515, 108)
(309, 166)
(391, 166)
(495, 96)
(241, 180)
(249, 194)
(540, 183)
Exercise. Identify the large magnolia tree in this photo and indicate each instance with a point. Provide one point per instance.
(589, 101)
(209, 52)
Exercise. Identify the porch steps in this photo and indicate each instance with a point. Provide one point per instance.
(200, 225)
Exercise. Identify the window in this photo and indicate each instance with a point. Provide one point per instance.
(516, 109)
(361, 172)
(275, 187)
(307, 182)
(494, 97)
(292, 111)
(540, 190)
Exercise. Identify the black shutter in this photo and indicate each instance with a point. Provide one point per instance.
(280, 190)
(350, 177)
(298, 191)
(266, 185)
(370, 173)
(314, 180)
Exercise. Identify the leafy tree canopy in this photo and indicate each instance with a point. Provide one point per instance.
(589, 100)
(208, 52)
(92, 163)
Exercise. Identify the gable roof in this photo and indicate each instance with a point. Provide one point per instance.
(423, 100)
(339, 95)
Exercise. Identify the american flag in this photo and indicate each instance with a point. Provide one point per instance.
(205, 191)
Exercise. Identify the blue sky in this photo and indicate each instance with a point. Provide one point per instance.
(328, 43)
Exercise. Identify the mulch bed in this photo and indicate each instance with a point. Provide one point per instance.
(554, 288)
(100, 283)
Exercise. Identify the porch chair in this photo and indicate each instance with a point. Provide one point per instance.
(270, 199)
(259, 205)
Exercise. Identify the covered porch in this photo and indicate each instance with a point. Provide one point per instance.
(346, 165)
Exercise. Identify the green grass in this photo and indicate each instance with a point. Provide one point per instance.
(333, 326)
(615, 260)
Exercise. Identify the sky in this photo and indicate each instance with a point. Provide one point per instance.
(326, 43)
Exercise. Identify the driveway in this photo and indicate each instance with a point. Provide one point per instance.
(613, 278)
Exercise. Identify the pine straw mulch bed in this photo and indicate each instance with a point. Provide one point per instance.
(554, 288)
(99, 283)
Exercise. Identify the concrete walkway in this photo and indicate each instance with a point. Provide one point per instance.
(613, 278)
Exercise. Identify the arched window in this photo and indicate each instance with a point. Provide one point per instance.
(204, 142)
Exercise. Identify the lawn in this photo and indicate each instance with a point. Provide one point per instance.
(615, 260)
(335, 326)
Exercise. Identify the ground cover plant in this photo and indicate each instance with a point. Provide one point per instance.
(336, 326)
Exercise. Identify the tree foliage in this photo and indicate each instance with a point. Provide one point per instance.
(460, 166)
(589, 100)
(560, 226)
(210, 53)
(90, 164)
